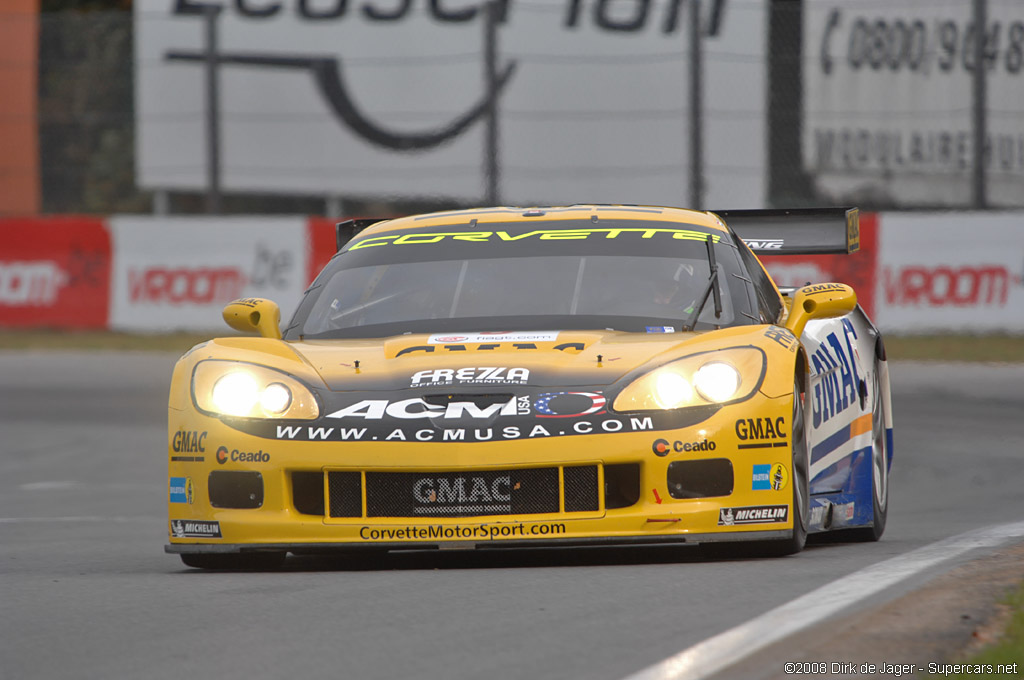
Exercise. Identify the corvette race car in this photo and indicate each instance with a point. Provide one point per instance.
(512, 377)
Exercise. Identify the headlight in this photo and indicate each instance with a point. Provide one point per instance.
(233, 388)
(717, 381)
(671, 390)
(716, 377)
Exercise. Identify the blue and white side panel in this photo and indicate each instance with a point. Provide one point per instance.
(841, 353)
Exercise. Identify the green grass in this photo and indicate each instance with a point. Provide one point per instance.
(100, 340)
(1009, 649)
(997, 348)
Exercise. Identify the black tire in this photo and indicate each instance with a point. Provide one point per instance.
(801, 483)
(879, 470)
(801, 499)
(259, 561)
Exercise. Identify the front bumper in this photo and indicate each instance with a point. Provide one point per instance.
(294, 475)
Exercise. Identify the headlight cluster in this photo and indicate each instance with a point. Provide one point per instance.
(233, 388)
(710, 378)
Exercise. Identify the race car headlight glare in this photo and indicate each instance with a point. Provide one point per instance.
(235, 393)
(717, 381)
(233, 388)
(671, 390)
(717, 377)
(276, 398)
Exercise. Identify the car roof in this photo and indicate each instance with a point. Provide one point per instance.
(474, 217)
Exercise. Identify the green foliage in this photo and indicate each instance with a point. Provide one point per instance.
(1007, 654)
(83, 5)
(86, 108)
(994, 348)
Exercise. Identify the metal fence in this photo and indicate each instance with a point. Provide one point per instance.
(709, 103)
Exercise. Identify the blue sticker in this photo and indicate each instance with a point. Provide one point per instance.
(661, 329)
(762, 478)
(181, 490)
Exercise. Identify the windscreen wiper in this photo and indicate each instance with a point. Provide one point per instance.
(712, 287)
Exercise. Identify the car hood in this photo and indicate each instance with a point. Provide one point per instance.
(476, 363)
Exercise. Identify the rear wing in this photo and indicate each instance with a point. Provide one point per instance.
(799, 231)
(344, 231)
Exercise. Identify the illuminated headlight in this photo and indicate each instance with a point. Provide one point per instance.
(275, 398)
(671, 390)
(717, 381)
(235, 394)
(703, 379)
(233, 388)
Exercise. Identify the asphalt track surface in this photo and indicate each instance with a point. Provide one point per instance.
(86, 590)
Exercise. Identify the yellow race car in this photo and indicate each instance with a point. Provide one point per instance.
(509, 377)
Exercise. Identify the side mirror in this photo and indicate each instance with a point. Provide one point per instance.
(254, 315)
(820, 301)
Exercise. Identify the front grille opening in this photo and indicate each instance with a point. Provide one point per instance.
(236, 489)
(581, 488)
(345, 491)
(700, 478)
(308, 492)
(462, 494)
(621, 485)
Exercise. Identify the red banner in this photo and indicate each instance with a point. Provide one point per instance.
(857, 270)
(322, 243)
(54, 272)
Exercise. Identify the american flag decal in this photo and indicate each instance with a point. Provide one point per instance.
(544, 410)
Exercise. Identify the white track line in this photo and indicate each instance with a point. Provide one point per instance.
(712, 655)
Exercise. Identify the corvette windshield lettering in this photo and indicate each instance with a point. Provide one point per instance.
(538, 234)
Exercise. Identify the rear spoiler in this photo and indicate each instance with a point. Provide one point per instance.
(344, 231)
(799, 231)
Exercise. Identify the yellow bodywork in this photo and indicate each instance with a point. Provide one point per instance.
(656, 512)
(201, 444)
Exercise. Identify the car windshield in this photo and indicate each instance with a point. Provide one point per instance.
(630, 284)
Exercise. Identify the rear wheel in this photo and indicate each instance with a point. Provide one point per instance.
(257, 561)
(879, 468)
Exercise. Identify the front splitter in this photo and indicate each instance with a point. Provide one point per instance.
(315, 548)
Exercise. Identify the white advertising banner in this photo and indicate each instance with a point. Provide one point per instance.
(888, 101)
(950, 272)
(388, 98)
(172, 273)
